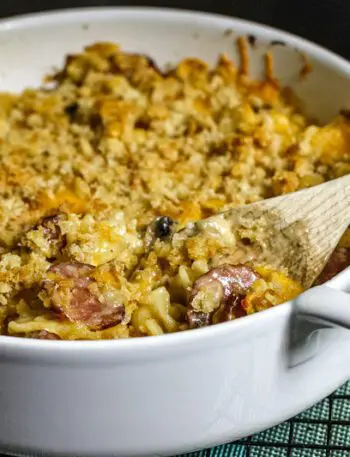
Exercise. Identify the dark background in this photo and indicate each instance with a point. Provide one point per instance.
(326, 22)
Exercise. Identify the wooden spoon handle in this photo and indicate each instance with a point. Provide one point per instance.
(307, 226)
(325, 208)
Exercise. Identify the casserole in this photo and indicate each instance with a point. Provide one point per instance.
(174, 393)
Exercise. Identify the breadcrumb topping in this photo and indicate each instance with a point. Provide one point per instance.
(88, 164)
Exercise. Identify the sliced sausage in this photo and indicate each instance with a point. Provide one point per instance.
(52, 231)
(197, 319)
(74, 270)
(234, 279)
(74, 293)
(44, 335)
(233, 308)
(227, 285)
(338, 261)
(51, 227)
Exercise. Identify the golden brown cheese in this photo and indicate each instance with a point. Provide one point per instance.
(114, 144)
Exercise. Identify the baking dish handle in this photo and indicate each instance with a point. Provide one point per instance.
(322, 304)
(317, 309)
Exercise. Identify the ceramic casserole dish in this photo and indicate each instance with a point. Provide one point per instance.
(164, 395)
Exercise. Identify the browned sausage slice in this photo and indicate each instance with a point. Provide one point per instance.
(338, 261)
(227, 285)
(74, 293)
(74, 270)
(52, 230)
(44, 335)
(234, 279)
(196, 319)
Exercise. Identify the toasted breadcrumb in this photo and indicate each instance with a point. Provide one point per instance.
(117, 143)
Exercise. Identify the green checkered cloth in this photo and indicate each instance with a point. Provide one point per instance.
(322, 431)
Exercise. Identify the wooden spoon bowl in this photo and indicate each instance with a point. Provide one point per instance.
(296, 232)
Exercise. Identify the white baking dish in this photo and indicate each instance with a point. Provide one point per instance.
(175, 393)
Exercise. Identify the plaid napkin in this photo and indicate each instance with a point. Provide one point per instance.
(322, 431)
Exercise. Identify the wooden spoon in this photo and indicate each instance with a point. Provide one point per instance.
(298, 231)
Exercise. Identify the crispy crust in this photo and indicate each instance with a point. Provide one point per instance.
(117, 143)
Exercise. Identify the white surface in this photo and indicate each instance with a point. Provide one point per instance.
(175, 393)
